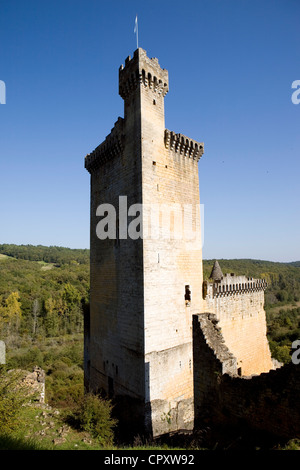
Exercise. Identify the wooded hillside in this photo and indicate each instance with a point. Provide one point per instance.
(44, 292)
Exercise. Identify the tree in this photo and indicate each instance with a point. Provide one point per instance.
(11, 313)
(35, 313)
(13, 395)
(71, 296)
(51, 319)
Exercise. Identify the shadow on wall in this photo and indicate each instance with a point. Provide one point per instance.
(268, 402)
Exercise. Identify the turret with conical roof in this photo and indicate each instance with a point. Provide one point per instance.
(216, 273)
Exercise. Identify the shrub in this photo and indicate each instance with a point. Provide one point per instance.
(12, 398)
(280, 352)
(27, 359)
(94, 415)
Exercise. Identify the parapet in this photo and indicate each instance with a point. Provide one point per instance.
(112, 146)
(230, 284)
(183, 145)
(142, 70)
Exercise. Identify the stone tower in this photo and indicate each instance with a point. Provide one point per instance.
(146, 272)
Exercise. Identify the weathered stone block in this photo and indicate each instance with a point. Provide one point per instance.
(2, 352)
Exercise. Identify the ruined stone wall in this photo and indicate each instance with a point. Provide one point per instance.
(32, 383)
(238, 303)
(268, 402)
(35, 381)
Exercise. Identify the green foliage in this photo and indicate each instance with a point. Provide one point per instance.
(48, 254)
(27, 358)
(283, 329)
(62, 360)
(42, 302)
(64, 383)
(94, 415)
(281, 353)
(10, 442)
(12, 397)
(10, 313)
(293, 444)
(42, 307)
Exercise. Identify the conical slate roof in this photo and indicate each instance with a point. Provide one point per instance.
(216, 273)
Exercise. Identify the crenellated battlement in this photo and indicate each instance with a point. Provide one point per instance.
(238, 303)
(230, 285)
(111, 147)
(181, 144)
(141, 70)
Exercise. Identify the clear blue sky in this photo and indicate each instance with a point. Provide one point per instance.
(231, 64)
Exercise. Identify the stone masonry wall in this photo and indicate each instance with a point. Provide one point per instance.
(114, 332)
(238, 303)
(144, 291)
(268, 402)
(171, 262)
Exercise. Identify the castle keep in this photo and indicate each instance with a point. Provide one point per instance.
(140, 335)
(151, 314)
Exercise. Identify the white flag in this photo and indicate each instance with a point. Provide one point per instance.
(136, 31)
(135, 25)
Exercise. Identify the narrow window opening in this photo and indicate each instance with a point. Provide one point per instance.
(110, 387)
(154, 102)
(187, 296)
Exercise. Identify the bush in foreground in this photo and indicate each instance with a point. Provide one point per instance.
(93, 414)
(13, 395)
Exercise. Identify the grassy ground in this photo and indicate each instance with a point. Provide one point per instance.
(3, 256)
(45, 428)
(42, 427)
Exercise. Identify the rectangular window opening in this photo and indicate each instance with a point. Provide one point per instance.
(187, 295)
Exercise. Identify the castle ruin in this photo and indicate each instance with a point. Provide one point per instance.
(152, 318)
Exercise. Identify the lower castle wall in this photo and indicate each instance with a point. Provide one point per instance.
(242, 319)
(169, 389)
(268, 402)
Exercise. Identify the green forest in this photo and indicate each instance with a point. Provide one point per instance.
(44, 294)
